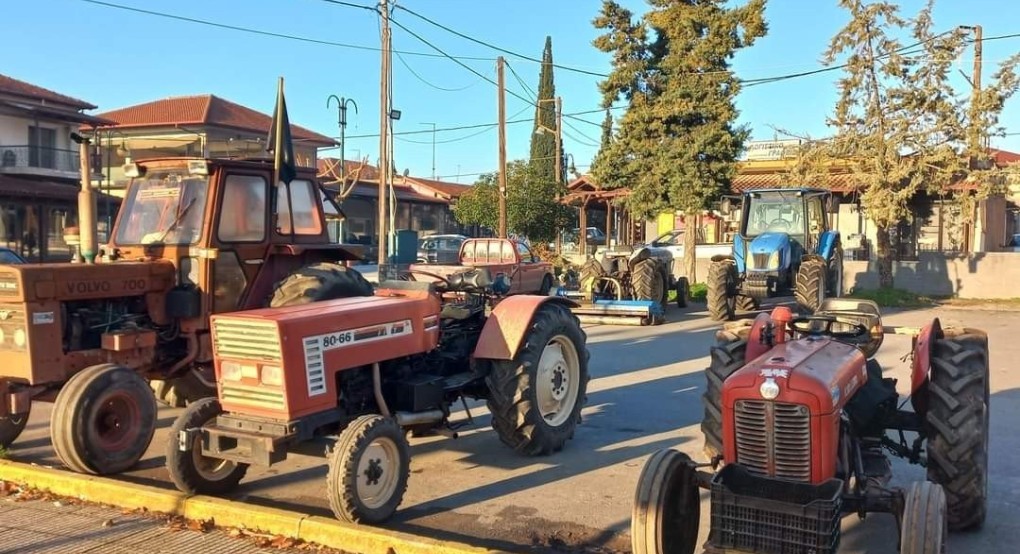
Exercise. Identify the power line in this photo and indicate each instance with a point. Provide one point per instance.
(487, 128)
(521, 82)
(429, 83)
(498, 48)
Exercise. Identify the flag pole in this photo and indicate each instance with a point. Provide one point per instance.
(278, 138)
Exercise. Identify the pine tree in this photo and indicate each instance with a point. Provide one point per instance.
(677, 143)
(900, 125)
(543, 143)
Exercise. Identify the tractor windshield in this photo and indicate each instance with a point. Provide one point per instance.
(164, 207)
(774, 213)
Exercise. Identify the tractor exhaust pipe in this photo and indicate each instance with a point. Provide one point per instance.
(405, 419)
(86, 203)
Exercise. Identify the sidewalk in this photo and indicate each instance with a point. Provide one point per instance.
(55, 526)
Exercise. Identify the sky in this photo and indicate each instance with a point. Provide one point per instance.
(115, 58)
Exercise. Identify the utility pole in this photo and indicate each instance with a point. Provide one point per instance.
(384, 121)
(559, 163)
(433, 149)
(975, 139)
(502, 148)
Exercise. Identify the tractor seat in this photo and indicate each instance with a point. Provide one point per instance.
(453, 311)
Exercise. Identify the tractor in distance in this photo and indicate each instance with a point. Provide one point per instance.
(629, 285)
(193, 237)
(356, 375)
(784, 245)
(801, 418)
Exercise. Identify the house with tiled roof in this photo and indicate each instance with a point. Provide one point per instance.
(424, 205)
(40, 168)
(201, 125)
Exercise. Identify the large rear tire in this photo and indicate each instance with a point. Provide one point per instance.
(591, 272)
(183, 390)
(957, 424)
(192, 472)
(728, 355)
(11, 427)
(647, 281)
(924, 529)
(368, 470)
(721, 299)
(667, 506)
(103, 420)
(536, 398)
(318, 282)
(811, 283)
(746, 304)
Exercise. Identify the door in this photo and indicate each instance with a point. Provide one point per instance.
(241, 238)
(530, 273)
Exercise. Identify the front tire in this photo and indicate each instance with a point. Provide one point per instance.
(835, 274)
(546, 287)
(924, 529)
(192, 472)
(811, 283)
(368, 470)
(667, 506)
(183, 390)
(103, 420)
(727, 356)
(647, 282)
(683, 292)
(536, 398)
(721, 299)
(11, 427)
(957, 424)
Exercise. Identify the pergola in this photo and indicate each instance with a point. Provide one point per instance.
(584, 194)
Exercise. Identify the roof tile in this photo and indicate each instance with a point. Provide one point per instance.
(10, 85)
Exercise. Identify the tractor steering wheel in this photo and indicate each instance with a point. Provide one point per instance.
(807, 325)
(780, 224)
(444, 280)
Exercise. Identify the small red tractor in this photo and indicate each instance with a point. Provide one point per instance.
(193, 237)
(360, 373)
(800, 417)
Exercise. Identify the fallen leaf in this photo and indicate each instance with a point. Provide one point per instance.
(108, 523)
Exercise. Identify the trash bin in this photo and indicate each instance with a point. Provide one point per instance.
(403, 246)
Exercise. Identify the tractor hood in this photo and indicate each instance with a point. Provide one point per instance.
(768, 252)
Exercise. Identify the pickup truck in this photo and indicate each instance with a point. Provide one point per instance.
(528, 274)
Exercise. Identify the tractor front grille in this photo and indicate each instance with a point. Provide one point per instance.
(247, 339)
(252, 396)
(774, 439)
(761, 261)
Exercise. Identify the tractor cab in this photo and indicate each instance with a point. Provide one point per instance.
(784, 246)
(227, 230)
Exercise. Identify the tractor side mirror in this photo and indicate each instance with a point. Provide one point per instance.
(832, 204)
(726, 206)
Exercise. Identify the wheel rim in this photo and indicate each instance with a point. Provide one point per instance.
(117, 421)
(210, 469)
(558, 375)
(378, 472)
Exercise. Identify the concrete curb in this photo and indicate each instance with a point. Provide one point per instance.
(229, 513)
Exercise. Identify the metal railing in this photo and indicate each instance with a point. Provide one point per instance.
(38, 157)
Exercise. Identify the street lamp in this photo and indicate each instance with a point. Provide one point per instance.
(342, 123)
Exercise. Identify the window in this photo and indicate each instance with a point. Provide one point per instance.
(525, 252)
(57, 219)
(165, 207)
(243, 217)
(306, 213)
(229, 282)
(42, 147)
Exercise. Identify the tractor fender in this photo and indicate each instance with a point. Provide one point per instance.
(508, 324)
(639, 255)
(924, 348)
(722, 257)
(827, 244)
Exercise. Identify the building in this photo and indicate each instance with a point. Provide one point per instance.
(40, 169)
(424, 205)
(202, 126)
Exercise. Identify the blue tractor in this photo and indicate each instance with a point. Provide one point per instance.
(784, 246)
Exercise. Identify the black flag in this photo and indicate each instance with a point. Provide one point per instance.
(279, 133)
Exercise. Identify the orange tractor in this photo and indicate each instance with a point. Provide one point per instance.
(801, 418)
(194, 237)
(360, 373)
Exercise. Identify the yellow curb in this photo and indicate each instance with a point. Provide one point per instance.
(230, 513)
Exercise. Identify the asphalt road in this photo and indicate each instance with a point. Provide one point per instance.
(644, 395)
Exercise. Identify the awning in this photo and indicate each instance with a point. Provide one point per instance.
(22, 187)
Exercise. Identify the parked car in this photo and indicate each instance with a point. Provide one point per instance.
(440, 249)
(528, 274)
(8, 256)
(593, 237)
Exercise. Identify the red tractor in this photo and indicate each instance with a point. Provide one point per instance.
(360, 373)
(800, 418)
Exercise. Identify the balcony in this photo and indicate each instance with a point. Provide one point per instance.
(38, 160)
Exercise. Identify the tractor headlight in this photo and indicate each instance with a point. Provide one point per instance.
(272, 376)
(19, 338)
(773, 261)
(230, 371)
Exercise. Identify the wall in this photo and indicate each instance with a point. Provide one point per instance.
(14, 131)
(980, 275)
